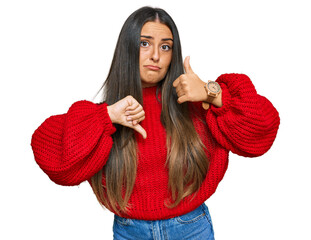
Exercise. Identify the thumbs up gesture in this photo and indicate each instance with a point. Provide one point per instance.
(189, 87)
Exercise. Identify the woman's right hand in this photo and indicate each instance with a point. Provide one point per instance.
(129, 113)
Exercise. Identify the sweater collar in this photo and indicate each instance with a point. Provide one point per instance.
(150, 93)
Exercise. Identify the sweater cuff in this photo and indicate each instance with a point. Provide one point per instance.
(105, 119)
(226, 101)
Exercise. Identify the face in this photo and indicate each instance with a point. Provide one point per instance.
(156, 43)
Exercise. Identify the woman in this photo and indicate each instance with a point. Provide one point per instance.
(157, 147)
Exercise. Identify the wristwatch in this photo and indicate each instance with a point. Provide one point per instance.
(212, 89)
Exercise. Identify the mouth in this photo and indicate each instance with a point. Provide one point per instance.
(153, 68)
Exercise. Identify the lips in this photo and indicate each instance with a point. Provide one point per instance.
(153, 68)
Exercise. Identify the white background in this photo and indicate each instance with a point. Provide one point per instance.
(53, 53)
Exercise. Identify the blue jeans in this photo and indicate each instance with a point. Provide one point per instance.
(193, 225)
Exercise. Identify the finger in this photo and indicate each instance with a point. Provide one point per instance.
(132, 106)
(138, 120)
(134, 111)
(182, 99)
(130, 100)
(187, 66)
(138, 128)
(176, 82)
(136, 116)
(182, 90)
(179, 89)
(141, 119)
(180, 93)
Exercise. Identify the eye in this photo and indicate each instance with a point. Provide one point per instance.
(144, 43)
(166, 47)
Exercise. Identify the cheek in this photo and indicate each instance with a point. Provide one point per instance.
(167, 62)
(143, 56)
(141, 63)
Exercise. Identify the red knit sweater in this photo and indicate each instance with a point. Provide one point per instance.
(70, 148)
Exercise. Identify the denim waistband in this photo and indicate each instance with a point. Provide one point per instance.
(196, 224)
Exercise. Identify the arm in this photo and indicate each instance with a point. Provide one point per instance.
(247, 123)
(70, 148)
(240, 120)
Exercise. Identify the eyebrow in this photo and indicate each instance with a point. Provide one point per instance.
(163, 39)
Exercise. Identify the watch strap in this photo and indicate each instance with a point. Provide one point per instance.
(205, 105)
(210, 96)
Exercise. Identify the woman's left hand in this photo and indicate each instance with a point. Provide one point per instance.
(189, 87)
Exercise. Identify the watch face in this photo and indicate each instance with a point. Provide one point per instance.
(213, 87)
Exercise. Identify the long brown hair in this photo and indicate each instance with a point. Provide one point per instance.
(186, 159)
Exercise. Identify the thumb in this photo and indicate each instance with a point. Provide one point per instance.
(187, 66)
(138, 128)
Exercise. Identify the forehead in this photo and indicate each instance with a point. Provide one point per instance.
(156, 29)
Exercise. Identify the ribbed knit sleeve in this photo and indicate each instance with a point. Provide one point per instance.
(247, 123)
(72, 147)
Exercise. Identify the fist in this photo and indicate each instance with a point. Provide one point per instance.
(129, 113)
(189, 87)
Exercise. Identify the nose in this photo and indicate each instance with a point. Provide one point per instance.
(155, 55)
